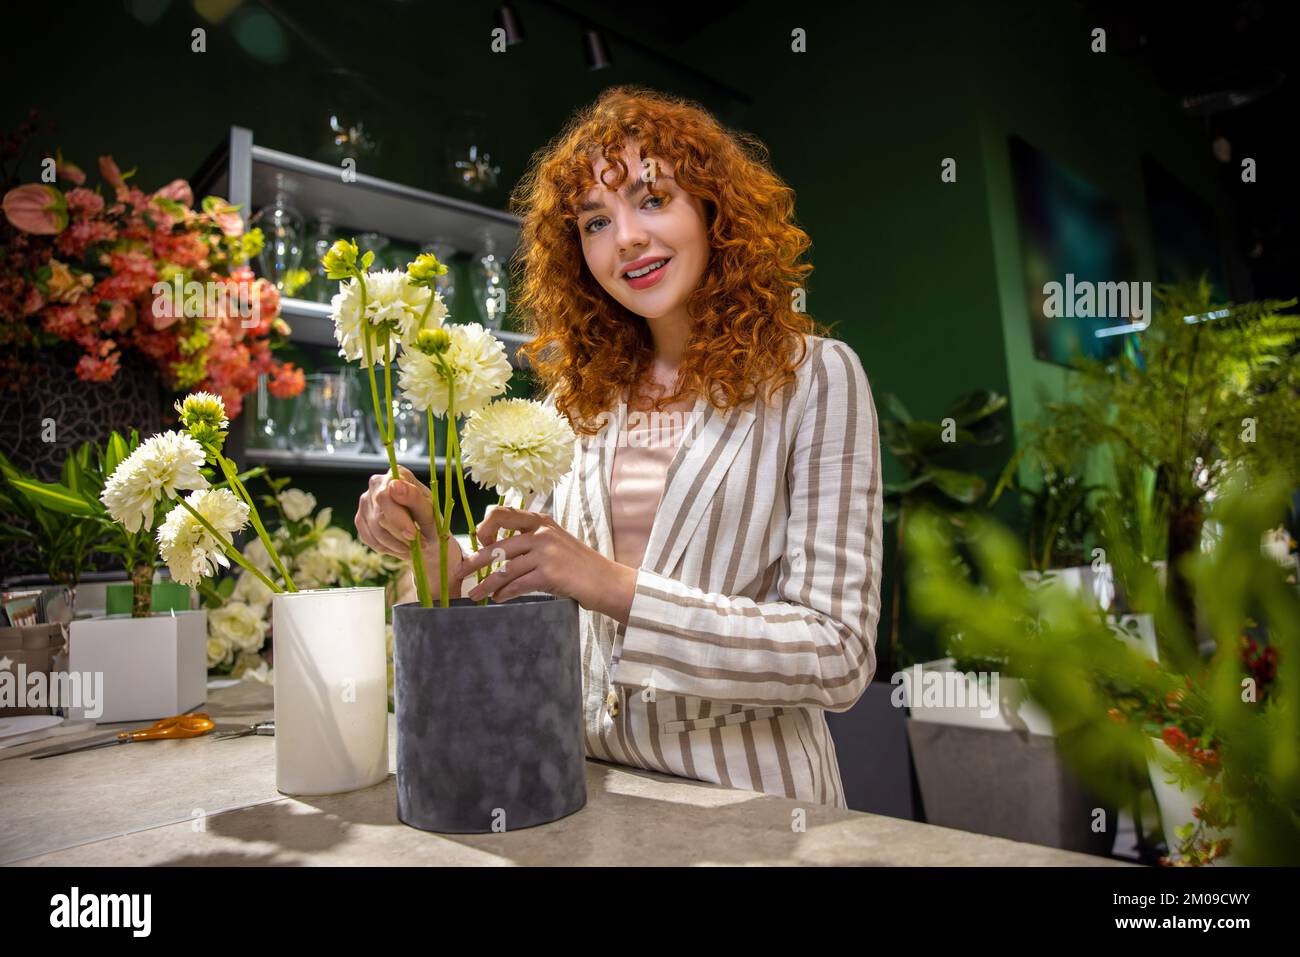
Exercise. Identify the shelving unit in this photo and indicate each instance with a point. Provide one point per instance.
(249, 175)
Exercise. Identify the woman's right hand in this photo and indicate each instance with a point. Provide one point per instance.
(388, 514)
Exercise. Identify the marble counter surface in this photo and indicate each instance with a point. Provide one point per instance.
(206, 801)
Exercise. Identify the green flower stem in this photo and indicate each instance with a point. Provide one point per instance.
(417, 553)
(449, 460)
(230, 549)
(443, 598)
(228, 470)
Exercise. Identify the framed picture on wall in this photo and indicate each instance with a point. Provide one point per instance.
(1078, 261)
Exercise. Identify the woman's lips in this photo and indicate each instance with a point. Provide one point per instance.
(650, 278)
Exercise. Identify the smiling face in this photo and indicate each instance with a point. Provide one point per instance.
(627, 230)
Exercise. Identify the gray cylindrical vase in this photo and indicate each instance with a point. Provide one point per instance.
(488, 701)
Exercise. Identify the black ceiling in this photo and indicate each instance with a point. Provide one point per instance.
(1231, 65)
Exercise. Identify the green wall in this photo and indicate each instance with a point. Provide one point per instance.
(920, 277)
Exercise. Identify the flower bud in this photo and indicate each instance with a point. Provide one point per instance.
(433, 341)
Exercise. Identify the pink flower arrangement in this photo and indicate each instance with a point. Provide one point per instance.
(142, 271)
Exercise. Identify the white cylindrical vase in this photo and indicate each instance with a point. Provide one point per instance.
(331, 690)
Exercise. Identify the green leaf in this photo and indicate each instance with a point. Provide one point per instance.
(963, 486)
(54, 497)
(115, 454)
(976, 405)
(895, 405)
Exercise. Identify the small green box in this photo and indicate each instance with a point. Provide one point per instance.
(167, 596)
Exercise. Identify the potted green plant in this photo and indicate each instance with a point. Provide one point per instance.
(1214, 386)
(1230, 717)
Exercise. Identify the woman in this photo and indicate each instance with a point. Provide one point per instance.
(726, 555)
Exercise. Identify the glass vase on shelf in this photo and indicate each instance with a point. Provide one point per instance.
(444, 285)
(282, 234)
(321, 288)
(330, 414)
(410, 435)
(271, 424)
(490, 285)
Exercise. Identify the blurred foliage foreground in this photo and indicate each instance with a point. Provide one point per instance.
(1227, 713)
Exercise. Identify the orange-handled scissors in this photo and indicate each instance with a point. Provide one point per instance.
(179, 726)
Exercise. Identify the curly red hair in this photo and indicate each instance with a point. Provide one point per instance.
(586, 347)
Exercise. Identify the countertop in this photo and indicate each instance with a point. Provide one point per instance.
(206, 801)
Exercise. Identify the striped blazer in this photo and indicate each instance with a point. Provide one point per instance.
(759, 594)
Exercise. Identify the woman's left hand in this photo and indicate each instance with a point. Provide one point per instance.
(542, 556)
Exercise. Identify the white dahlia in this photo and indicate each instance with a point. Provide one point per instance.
(477, 361)
(518, 445)
(190, 550)
(162, 465)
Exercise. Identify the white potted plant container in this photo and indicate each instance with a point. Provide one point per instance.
(152, 667)
(1176, 803)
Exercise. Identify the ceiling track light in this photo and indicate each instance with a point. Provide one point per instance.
(508, 21)
(597, 51)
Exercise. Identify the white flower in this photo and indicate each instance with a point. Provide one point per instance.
(250, 666)
(315, 568)
(478, 363)
(333, 542)
(251, 589)
(244, 626)
(219, 650)
(360, 561)
(190, 550)
(392, 302)
(296, 503)
(256, 554)
(518, 445)
(162, 465)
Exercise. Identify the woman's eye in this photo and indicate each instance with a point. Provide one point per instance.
(661, 200)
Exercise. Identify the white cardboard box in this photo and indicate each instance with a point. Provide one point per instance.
(152, 667)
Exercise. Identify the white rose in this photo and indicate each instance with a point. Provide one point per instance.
(315, 569)
(251, 590)
(242, 625)
(219, 650)
(296, 503)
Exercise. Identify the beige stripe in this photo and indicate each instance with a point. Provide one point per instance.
(781, 452)
(848, 454)
(797, 719)
(720, 758)
(783, 646)
(652, 719)
(834, 792)
(742, 526)
(749, 677)
(688, 756)
(751, 755)
(814, 479)
(828, 651)
(700, 476)
(808, 615)
(782, 757)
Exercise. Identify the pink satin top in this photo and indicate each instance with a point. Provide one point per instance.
(637, 484)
